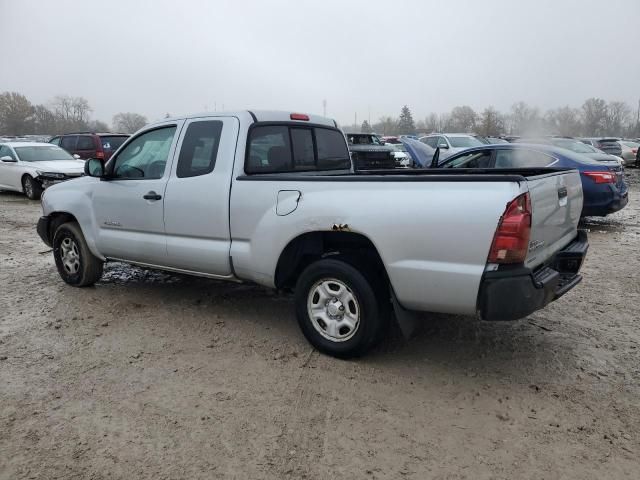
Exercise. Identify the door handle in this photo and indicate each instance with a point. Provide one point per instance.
(152, 196)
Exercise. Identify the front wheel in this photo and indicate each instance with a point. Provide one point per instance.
(337, 308)
(31, 188)
(76, 264)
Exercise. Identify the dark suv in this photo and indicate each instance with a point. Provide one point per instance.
(607, 145)
(90, 145)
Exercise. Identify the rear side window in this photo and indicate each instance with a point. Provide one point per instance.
(518, 158)
(199, 149)
(85, 143)
(282, 148)
(69, 142)
(55, 141)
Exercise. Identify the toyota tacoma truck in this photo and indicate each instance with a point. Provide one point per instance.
(272, 198)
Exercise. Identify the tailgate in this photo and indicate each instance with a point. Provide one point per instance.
(556, 204)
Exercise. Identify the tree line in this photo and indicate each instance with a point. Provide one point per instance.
(596, 117)
(64, 113)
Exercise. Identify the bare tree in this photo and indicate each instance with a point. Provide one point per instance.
(491, 123)
(463, 119)
(564, 121)
(525, 120)
(44, 120)
(618, 115)
(128, 122)
(16, 114)
(594, 114)
(386, 126)
(72, 113)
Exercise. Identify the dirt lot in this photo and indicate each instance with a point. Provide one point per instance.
(150, 375)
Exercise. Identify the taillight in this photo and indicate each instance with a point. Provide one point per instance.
(511, 241)
(299, 116)
(634, 150)
(601, 177)
(100, 154)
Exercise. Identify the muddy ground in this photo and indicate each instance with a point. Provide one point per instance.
(149, 375)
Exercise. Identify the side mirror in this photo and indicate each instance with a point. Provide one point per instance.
(76, 156)
(94, 168)
(8, 159)
(443, 145)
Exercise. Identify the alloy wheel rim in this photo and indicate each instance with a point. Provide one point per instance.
(70, 256)
(28, 187)
(333, 310)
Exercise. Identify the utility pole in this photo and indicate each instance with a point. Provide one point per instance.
(324, 107)
(355, 120)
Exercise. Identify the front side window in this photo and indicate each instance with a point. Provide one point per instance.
(199, 149)
(6, 152)
(146, 156)
(471, 160)
(518, 158)
(85, 142)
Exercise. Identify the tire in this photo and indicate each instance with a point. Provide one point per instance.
(31, 188)
(338, 308)
(76, 264)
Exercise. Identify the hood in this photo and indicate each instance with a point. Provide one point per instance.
(420, 153)
(59, 166)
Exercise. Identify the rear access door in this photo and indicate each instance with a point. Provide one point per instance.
(196, 208)
(556, 203)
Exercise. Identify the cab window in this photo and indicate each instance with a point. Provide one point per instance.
(199, 149)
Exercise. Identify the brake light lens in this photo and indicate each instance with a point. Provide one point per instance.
(100, 154)
(634, 150)
(511, 240)
(601, 177)
(299, 116)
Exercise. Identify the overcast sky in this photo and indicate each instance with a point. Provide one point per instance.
(369, 57)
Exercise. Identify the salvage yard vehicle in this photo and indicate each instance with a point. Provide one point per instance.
(89, 144)
(30, 167)
(450, 143)
(369, 152)
(603, 185)
(271, 198)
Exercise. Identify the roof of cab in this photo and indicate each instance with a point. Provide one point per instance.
(260, 116)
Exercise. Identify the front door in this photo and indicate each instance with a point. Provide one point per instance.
(129, 205)
(197, 197)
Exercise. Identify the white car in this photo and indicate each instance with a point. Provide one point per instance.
(30, 167)
(400, 155)
(450, 143)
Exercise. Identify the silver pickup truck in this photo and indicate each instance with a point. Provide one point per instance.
(271, 198)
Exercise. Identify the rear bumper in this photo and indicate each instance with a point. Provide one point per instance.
(43, 229)
(514, 293)
(618, 202)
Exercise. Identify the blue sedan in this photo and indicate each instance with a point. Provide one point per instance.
(603, 185)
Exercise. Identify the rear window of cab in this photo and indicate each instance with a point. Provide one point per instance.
(294, 148)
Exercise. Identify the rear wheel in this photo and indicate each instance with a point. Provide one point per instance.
(76, 264)
(338, 308)
(31, 188)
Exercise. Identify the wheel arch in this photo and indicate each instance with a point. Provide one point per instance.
(306, 248)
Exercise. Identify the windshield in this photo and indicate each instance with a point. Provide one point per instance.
(631, 144)
(398, 147)
(44, 153)
(112, 143)
(575, 146)
(464, 142)
(359, 139)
